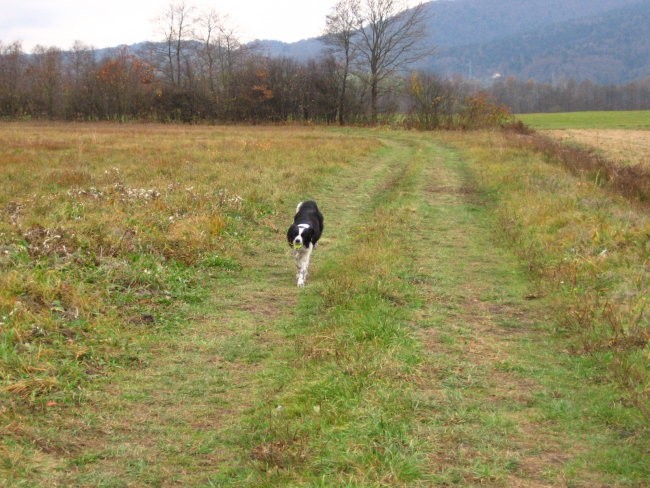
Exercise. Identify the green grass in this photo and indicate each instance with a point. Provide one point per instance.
(502, 373)
(423, 351)
(637, 119)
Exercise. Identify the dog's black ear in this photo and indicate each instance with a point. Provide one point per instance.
(308, 236)
(292, 233)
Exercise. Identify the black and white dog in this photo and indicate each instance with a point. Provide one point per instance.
(303, 235)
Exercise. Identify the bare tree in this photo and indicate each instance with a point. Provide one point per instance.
(176, 24)
(341, 27)
(13, 64)
(391, 37)
(46, 76)
(211, 25)
(81, 80)
(220, 51)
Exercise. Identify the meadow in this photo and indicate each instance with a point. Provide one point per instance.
(476, 314)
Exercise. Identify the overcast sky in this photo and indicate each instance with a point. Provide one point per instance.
(109, 23)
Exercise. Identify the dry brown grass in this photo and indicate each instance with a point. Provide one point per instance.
(241, 390)
(619, 145)
(629, 180)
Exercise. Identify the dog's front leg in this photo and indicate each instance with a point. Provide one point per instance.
(299, 274)
(299, 269)
(302, 263)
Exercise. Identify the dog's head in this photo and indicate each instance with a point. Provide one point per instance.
(300, 235)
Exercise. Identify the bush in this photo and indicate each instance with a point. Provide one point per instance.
(442, 104)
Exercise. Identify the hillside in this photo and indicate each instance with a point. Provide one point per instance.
(611, 47)
(467, 22)
(607, 41)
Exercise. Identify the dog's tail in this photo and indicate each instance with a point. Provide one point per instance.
(298, 207)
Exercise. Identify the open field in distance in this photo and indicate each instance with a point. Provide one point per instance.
(633, 119)
(622, 137)
(623, 146)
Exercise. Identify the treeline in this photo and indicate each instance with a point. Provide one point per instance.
(226, 83)
(230, 83)
(570, 96)
(201, 71)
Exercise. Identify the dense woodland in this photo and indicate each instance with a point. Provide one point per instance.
(605, 41)
(608, 47)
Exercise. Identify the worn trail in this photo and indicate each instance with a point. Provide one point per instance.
(175, 418)
(480, 337)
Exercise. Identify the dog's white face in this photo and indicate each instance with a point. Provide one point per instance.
(299, 240)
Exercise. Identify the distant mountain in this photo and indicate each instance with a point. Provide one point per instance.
(467, 22)
(607, 41)
(610, 47)
(300, 50)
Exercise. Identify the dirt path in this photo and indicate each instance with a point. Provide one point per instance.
(167, 423)
(505, 404)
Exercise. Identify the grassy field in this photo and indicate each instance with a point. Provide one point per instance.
(636, 119)
(474, 316)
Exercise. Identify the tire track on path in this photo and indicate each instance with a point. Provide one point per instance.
(482, 389)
